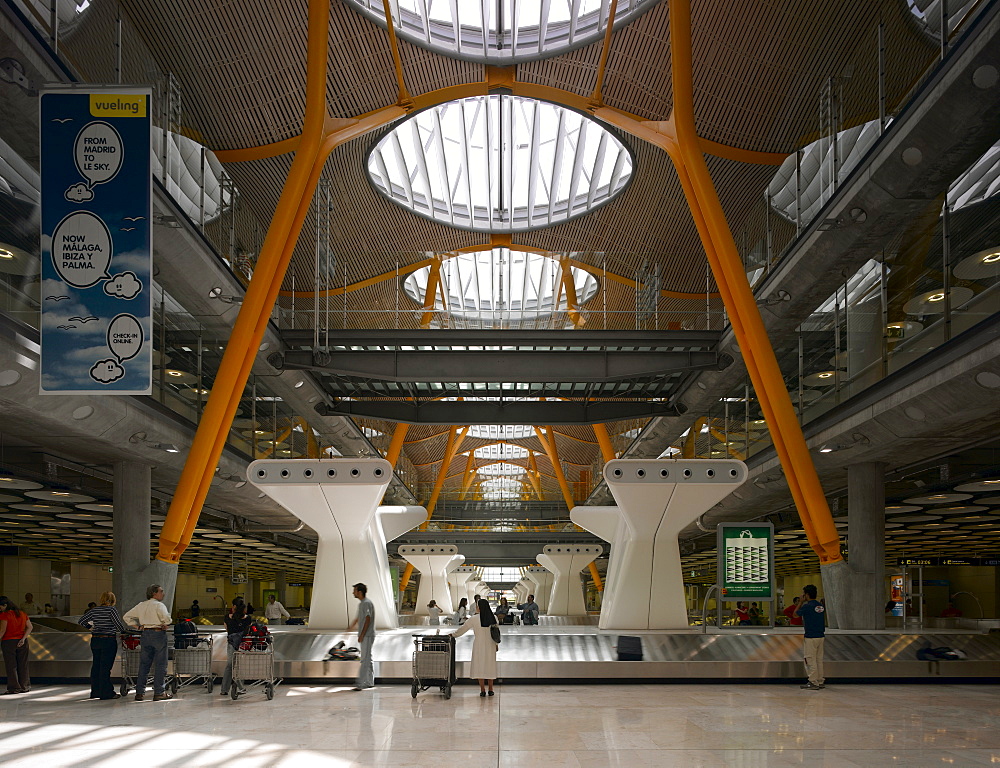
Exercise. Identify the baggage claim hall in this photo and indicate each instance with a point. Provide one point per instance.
(565, 383)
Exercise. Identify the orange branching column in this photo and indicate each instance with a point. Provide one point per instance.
(256, 308)
(748, 326)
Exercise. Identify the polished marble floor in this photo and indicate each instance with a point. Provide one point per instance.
(555, 726)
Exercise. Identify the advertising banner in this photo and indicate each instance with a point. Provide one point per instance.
(96, 297)
(746, 561)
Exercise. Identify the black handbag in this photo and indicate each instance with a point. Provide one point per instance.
(495, 633)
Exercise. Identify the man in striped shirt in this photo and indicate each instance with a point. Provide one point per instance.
(104, 624)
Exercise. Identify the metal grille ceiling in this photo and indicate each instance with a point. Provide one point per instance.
(501, 31)
(500, 163)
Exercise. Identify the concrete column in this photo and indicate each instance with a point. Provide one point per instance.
(281, 585)
(457, 580)
(435, 562)
(542, 579)
(865, 606)
(565, 562)
(131, 538)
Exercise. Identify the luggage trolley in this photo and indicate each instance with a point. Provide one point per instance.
(253, 667)
(433, 663)
(193, 665)
(131, 656)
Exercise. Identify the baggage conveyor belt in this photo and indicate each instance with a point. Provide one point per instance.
(584, 652)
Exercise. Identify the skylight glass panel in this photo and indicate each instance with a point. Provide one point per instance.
(501, 451)
(501, 287)
(501, 470)
(500, 163)
(501, 31)
(501, 431)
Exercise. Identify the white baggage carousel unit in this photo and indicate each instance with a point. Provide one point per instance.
(581, 652)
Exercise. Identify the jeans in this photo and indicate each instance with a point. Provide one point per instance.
(366, 673)
(812, 654)
(15, 661)
(104, 650)
(227, 676)
(154, 654)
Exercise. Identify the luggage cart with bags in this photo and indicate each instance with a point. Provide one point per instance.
(433, 664)
(131, 657)
(193, 663)
(253, 664)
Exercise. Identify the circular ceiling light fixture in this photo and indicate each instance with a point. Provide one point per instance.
(501, 31)
(500, 163)
(500, 287)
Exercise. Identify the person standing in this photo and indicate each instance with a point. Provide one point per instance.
(153, 618)
(15, 627)
(793, 620)
(529, 611)
(813, 616)
(28, 606)
(237, 622)
(274, 611)
(462, 612)
(104, 624)
(484, 649)
(195, 609)
(434, 613)
(365, 622)
(742, 615)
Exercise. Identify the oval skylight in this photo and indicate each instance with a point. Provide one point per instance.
(501, 470)
(499, 163)
(501, 431)
(501, 451)
(500, 287)
(501, 31)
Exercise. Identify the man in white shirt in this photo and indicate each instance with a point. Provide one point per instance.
(274, 611)
(153, 618)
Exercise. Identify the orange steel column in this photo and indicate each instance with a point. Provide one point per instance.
(768, 381)
(245, 339)
(737, 324)
(396, 444)
(553, 453)
(455, 438)
(604, 440)
(596, 577)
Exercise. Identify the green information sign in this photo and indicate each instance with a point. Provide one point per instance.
(746, 561)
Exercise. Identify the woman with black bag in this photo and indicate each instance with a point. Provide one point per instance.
(237, 624)
(484, 646)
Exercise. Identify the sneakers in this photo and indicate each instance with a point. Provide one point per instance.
(162, 696)
(812, 687)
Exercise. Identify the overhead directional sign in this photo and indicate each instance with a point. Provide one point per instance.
(96, 297)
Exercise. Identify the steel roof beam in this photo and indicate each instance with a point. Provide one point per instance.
(391, 337)
(457, 366)
(493, 412)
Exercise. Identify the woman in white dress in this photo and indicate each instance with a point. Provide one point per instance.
(434, 611)
(484, 650)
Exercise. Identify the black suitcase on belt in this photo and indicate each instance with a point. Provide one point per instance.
(629, 648)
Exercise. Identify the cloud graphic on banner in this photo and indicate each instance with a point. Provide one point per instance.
(123, 286)
(79, 193)
(106, 371)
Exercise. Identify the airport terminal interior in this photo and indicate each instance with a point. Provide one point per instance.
(637, 319)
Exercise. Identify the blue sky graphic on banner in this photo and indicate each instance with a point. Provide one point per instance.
(97, 323)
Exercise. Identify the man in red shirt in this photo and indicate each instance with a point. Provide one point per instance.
(15, 626)
(793, 620)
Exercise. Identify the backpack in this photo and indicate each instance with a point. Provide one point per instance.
(495, 633)
(256, 638)
(340, 653)
(185, 634)
(943, 653)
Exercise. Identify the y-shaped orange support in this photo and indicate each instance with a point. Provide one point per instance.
(762, 365)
